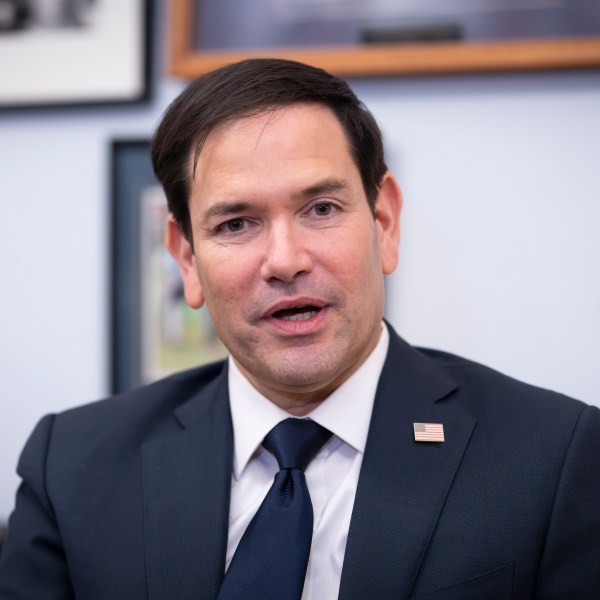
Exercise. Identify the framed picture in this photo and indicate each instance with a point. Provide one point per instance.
(73, 52)
(154, 332)
(387, 37)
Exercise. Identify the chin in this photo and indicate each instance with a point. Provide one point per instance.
(314, 371)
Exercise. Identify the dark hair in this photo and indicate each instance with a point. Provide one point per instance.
(248, 88)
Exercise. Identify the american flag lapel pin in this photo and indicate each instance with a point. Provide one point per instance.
(428, 432)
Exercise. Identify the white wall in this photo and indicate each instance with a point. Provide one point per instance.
(500, 250)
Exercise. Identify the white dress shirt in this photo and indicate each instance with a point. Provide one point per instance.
(331, 477)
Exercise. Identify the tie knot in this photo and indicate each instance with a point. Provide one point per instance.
(295, 442)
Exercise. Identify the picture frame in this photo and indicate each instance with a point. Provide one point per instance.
(153, 332)
(540, 51)
(57, 53)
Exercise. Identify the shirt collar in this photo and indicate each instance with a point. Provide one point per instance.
(346, 412)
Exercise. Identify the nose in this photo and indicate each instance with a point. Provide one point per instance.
(286, 255)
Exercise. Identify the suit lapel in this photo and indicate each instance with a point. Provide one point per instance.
(187, 478)
(403, 484)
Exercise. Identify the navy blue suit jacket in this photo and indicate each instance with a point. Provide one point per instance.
(128, 498)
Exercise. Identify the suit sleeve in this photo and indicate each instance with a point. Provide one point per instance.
(570, 566)
(33, 564)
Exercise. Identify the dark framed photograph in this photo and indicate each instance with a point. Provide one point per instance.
(153, 331)
(74, 52)
(355, 38)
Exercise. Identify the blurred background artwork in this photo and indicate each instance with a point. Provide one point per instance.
(388, 37)
(19, 15)
(154, 331)
(174, 336)
(72, 52)
(285, 23)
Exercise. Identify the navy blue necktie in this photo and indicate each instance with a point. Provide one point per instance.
(271, 559)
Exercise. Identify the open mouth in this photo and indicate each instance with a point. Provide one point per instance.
(298, 313)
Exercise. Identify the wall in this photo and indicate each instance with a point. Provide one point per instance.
(501, 256)
(499, 252)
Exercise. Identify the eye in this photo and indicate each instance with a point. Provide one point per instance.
(233, 225)
(323, 209)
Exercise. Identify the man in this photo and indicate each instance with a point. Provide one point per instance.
(433, 477)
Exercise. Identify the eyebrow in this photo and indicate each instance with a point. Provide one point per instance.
(225, 209)
(323, 188)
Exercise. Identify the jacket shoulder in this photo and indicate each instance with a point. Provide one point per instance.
(141, 414)
(482, 384)
(169, 392)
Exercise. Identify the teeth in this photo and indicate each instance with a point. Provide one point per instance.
(303, 316)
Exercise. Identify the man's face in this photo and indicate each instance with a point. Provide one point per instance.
(286, 252)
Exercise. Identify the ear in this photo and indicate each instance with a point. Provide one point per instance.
(387, 221)
(183, 253)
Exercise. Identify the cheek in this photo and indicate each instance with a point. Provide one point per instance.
(226, 282)
(354, 258)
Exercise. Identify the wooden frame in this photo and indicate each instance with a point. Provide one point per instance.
(390, 59)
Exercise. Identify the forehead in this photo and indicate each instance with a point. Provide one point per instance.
(273, 144)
